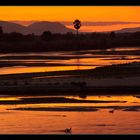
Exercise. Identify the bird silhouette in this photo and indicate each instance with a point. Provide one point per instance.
(111, 111)
(68, 130)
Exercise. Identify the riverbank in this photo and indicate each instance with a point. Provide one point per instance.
(114, 79)
(114, 71)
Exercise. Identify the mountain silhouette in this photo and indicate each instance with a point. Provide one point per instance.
(9, 27)
(54, 27)
(36, 28)
(136, 29)
(39, 27)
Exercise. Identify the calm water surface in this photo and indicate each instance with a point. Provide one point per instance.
(82, 122)
(67, 60)
(102, 121)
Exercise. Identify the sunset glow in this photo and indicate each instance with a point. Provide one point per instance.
(70, 13)
(70, 70)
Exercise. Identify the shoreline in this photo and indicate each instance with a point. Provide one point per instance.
(116, 79)
(73, 91)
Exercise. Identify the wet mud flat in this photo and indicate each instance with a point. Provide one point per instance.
(98, 104)
(54, 100)
(80, 108)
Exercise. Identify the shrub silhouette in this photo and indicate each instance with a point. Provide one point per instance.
(46, 35)
(16, 42)
(1, 31)
(112, 35)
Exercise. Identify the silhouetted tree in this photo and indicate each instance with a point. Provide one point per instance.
(14, 36)
(46, 35)
(30, 36)
(68, 35)
(112, 35)
(77, 25)
(1, 30)
(136, 35)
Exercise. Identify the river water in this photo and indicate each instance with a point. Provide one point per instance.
(60, 61)
(102, 121)
(101, 116)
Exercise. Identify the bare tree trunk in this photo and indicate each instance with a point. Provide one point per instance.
(78, 61)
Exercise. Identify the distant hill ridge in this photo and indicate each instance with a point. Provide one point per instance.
(36, 28)
(39, 27)
(129, 30)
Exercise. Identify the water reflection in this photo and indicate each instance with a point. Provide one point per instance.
(60, 61)
(22, 69)
(62, 101)
(101, 121)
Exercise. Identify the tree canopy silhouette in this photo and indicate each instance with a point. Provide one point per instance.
(77, 25)
(1, 30)
(112, 35)
(46, 35)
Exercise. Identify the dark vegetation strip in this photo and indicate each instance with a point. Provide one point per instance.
(55, 100)
(34, 57)
(57, 109)
(79, 108)
(81, 92)
(32, 64)
(17, 42)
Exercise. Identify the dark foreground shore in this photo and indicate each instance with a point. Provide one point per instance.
(81, 91)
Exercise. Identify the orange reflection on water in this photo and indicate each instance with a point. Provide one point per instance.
(101, 61)
(54, 122)
(15, 70)
(8, 98)
(130, 100)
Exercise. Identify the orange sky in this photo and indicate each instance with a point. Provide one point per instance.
(70, 13)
